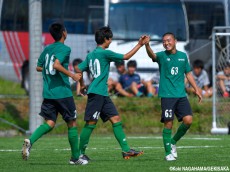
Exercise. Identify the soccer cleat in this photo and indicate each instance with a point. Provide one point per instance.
(173, 151)
(85, 157)
(78, 161)
(131, 153)
(26, 149)
(170, 157)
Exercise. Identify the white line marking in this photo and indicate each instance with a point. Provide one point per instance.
(145, 147)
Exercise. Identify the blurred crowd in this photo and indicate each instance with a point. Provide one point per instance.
(126, 82)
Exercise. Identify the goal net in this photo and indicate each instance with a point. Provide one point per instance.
(221, 80)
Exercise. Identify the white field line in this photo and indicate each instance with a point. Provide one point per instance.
(159, 137)
(145, 147)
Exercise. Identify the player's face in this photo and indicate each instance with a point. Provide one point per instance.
(131, 70)
(169, 42)
(197, 71)
(227, 71)
(65, 34)
(108, 42)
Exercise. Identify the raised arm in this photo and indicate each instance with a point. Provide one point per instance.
(193, 84)
(57, 65)
(141, 42)
(150, 52)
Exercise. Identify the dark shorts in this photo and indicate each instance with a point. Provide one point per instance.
(65, 106)
(99, 106)
(178, 106)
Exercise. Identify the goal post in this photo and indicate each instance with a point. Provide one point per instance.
(35, 93)
(220, 56)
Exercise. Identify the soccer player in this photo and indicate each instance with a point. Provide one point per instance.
(53, 63)
(99, 104)
(173, 66)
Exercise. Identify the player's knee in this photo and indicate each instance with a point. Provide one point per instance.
(51, 123)
(115, 119)
(168, 124)
(72, 123)
(187, 120)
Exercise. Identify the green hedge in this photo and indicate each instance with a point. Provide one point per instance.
(139, 115)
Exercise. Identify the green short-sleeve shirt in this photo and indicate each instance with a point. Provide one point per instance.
(173, 68)
(55, 84)
(98, 62)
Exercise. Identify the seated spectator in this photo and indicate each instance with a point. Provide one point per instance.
(113, 83)
(223, 78)
(86, 77)
(131, 82)
(201, 79)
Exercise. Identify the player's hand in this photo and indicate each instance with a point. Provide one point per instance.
(198, 95)
(76, 76)
(143, 40)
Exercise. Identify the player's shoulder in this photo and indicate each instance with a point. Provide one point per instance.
(182, 54)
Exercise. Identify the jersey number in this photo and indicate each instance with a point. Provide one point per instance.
(174, 70)
(96, 115)
(49, 65)
(95, 68)
(168, 113)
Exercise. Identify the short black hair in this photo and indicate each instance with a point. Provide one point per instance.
(198, 64)
(56, 29)
(226, 64)
(120, 63)
(132, 63)
(76, 62)
(169, 33)
(102, 33)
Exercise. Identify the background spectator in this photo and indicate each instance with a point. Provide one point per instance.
(201, 79)
(223, 78)
(131, 81)
(86, 78)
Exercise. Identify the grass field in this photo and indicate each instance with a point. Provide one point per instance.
(51, 153)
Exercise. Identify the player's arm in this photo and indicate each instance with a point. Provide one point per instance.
(57, 65)
(149, 51)
(193, 84)
(141, 42)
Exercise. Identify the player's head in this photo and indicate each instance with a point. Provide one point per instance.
(120, 66)
(104, 36)
(198, 66)
(58, 31)
(169, 41)
(131, 65)
(226, 66)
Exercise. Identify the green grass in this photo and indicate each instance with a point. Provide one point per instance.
(11, 88)
(50, 154)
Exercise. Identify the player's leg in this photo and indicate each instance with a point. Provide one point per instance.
(49, 113)
(167, 106)
(109, 112)
(85, 136)
(67, 109)
(92, 113)
(184, 114)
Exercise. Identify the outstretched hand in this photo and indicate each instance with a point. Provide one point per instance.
(144, 39)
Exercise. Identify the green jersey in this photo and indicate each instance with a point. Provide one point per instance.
(98, 62)
(173, 68)
(55, 84)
